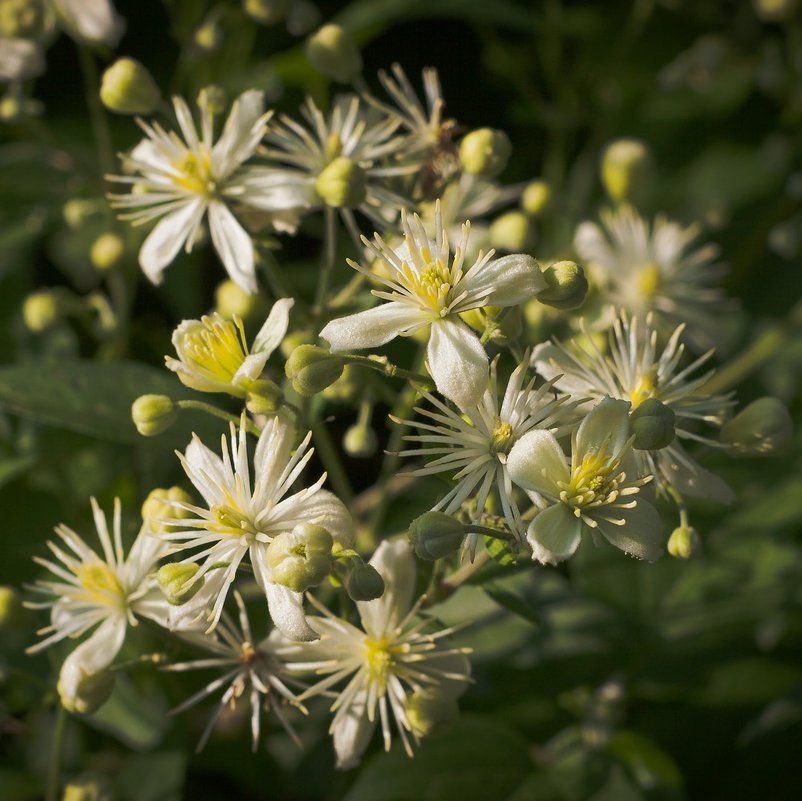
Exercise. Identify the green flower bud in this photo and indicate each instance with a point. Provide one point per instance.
(160, 505)
(233, 301)
(12, 107)
(311, 369)
(567, 285)
(683, 542)
(209, 36)
(264, 397)
(364, 583)
(212, 98)
(128, 88)
(652, 423)
(760, 429)
(512, 231)
(176, 581)
(92, 692)
(153, 414)
(106, 251)
(434, 535)
(333, 53)
(360, 441)
(42, 310)
(266, 12)
(78, 211)
(485, 152)
(341, 184)
(627, 170)
(11, 609)
(301, 558)
(775, 10)
(426, 710)
(89, 787)
(536, 198)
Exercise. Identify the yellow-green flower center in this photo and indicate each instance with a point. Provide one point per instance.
(215, 347)
(229, 521)
(648, 280)
(643, 389)
(195, 173)
(379, 658)
(502, 438)
(433, 285)
(594, 481)
(100, 584)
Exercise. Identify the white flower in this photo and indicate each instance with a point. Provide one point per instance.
(428, 289)
(474, 445)
(185, 180)
(101, 592)
(20, 59)
(248, 667)
(213, 355)
(91, 20)
(384, 664)
(241, 519)
(595, 491)
(635, 369)
(653, 269)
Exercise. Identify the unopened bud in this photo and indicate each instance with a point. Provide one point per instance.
(760, 429)
(683, 542)
(233, 301)
(485, 152)
(78, 210)
(89, 787)
(153, 414)
(347, 388)
(512, 231)
(428, 709)
(266, 12)
(360, 441)
(12, 107)
(311, 369)
(91, 691)
(566, 287)
(128, 87)
(11, 610)
(162, 504)
(627, 170)
(341, 184)
(652, 423)
(332, 52)
(434, 535)
(213, 99)
(263, 397)
(106, 251)
(364, 583)
(301, 558)
(176, 581)
(42, 310)
(209, 36)
(536, 198)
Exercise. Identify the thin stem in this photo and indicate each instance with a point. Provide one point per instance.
(331, 462)
(383, 366)
(54, 776)
(459, 577)
(97, 116)
(471, 528)
(328, 257)
(207, 408)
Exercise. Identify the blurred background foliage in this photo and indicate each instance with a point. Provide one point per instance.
(604, 680)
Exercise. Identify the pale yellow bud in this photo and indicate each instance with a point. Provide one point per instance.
(89, 787)
(22, 19)
(311, 369)
(91, 692)
(775, 10)
(683, 542)
(301, 558)
(627, 170)
(42, 310)
(536, 198)
(161, 504)
(153, 414)
(360, 441)
(333, 53)
(107, 251)
(209, 36)
(485, 152)
(266, 12)
(128, 87)
(176, 581)
(233, 301)
(341, 184)
(213, 99)
(567, 285)
(512, 232)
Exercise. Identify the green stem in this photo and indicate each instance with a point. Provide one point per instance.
(680, 501)
(97, 116)
(54, 777)
(489, 532)
(331, 462)
(459, 577)
(207, 408)
(381, 365)
(328, 257)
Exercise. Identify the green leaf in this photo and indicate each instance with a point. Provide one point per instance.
(645, 760)
(153, 777)
(515, 603)
(15, 466)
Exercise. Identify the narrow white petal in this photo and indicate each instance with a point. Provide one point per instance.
(168, 237)
(457, 362)
(274, 328)
(352, 732)
(395, 562)
(371, 328)
(233, 245)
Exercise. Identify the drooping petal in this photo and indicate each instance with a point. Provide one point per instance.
(640, 534)
(168, 237)
(233, 245)
(395, 562)
(457, 362)
(511, 280)
(606, 424)
(274, 328)
(554, 534)
(537, 462)
(371, 328)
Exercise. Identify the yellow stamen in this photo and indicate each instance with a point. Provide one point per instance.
(195, 173)
(100, 583)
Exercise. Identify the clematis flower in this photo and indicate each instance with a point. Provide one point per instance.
(105, 593)
(93, 21)
(596, 491)
(242, 519)
(184, 180)
(386, 666)
(426, 288)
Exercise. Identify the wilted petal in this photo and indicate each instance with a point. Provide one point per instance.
(457, 362)
(554, 534)
(537, 462)
(287, 611)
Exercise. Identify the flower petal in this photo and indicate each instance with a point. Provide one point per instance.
(537, 462)
(457, 363)
(287, 610)
(274, 328)
(510, 279)
(395, 563)
(641, 533)
(325, 509)
(233, 245)
(168, 237)
(352, 731)
(371, 328)
(607, 424)
(554, 534)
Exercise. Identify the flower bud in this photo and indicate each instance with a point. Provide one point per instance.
(627, 169)
(775, 10)
(485, 152)
(42, 310)
(233, 301)
(176, 581)
(364, 583)
(311, 369)
(12, 107)
(106, 251)
(209, 36)
(78, 211)
(360, 441)
(88, 788)
(301, 558)
(683, 542)
(333, 53)
(512, 232)
(153, 414)
(11, 610)
(428, 709)
(347, 388)
(760, 429)
(264, 397)
(161, 504)
(266, 12)
(91, 691)
(652, 423)
(566, 285)
(212, 99)
(434, 535)
(536, 198)
(22, 19)
(341, 184)
(128, 87)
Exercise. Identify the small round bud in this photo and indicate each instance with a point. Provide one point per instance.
(775, 10)
(364, 583)
(12, 107)
(360, 441)
(627, 170)
(683, 542)
(301, 558)
(11, 609)
(311, 369)
(78, 210)
(42, 310)
(209, 36)
(176, 581)
(760, 429)
(89, 787)
(263, 397)
(536, 198)
(212, 99)
(567, 285)
(426, 710)
(341, 184)
(90, 692)
(233, 301)
(652, 423)
(512, 231)
(266, 12)
(153, 414)
(128, 87)
(333, 53)
(161, 504)
(434, 535)
(106, 251)
(485, 152)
